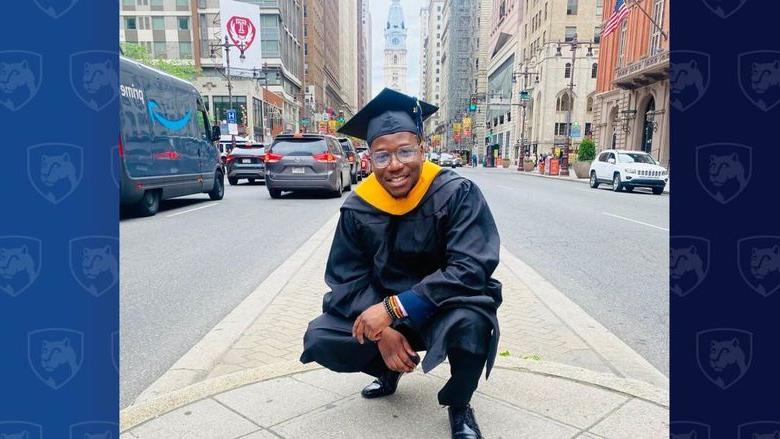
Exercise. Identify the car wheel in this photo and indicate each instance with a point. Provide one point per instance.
(354, 178)
(275, 193)
(348, 188)
(616, 185)
(149, 204)
(251, 180)
(233, 181)
(218, 191)
(339, 188)
(594, 182)
(658, 190)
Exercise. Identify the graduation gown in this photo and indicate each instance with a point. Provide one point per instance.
(441, 242)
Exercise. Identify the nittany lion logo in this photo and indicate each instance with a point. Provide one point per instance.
(55, 355)
(759, 77)
(55, 169)
(689, 75)
(759, 263)
(94, 263)
(759, 430)
(94, 430)
(94, 77)
(20, 263)
(55, 8)
(724, 8)
(724, 355)
(20, 430)
(689, 263)
(723, 169)
(688, 430)
(20, 78)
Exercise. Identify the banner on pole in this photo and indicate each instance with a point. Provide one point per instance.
(241, 23)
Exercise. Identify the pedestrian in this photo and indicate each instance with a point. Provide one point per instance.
(410, 268)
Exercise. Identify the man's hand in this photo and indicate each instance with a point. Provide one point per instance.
(371, 322)
(396, 351)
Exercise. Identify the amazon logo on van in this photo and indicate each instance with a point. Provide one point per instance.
(170, 124)
(131, 92)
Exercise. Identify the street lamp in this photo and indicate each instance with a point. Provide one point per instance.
(524, 98)
(227, 45)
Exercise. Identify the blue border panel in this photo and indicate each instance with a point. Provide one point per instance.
(59, 247)
(725, 240)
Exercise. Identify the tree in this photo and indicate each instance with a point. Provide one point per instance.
(178, 68)
(586, 151)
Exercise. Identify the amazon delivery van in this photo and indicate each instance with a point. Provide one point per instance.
(166, 146)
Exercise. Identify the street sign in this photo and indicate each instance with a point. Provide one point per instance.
(233, 129)
(305, 121)
(524, 96)
(231, 116)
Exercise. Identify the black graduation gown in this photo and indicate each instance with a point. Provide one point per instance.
(445, 249)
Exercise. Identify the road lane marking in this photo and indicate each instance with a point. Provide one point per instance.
(191, 210)
(635, 221)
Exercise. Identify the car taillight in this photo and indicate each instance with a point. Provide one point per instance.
(121, 147)
(325, 157)
(272, 158)
(229, 158)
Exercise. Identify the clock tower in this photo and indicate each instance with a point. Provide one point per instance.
(395, 48)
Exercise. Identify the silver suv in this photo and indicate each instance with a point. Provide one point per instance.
(306, 162)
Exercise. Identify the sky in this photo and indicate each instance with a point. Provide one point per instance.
(379, 10)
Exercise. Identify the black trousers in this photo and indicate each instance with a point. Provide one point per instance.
(329, 342)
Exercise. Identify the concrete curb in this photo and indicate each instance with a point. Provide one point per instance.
(576, 180)
(136, 415)
(624, 361)
(201, 358)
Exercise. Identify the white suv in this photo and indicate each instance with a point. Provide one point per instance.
(627, 170)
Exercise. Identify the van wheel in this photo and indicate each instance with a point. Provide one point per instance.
(275, 193)
(233, 181)
(149, 204)
(339, 188)
(218, 191)
(658, 190)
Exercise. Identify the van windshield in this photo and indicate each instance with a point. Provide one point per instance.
(299, 147)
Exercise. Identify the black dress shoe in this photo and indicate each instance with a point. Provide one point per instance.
(463, 423)
(382, 386)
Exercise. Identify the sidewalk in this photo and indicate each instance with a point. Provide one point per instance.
(560, 374)
(570, 177)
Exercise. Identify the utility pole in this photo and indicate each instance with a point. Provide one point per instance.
(227, 45)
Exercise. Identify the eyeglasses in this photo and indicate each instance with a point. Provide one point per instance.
(405, 154)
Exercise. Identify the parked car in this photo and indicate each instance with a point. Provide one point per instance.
(246, 161)
(306, 162)
(457, 161)
(628, 170)
(351, 154)
(447, 159)
(166, 146)
(434, 158)
(365, 163)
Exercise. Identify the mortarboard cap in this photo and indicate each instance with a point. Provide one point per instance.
(389, 112)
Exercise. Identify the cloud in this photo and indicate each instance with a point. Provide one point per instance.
(379, 10)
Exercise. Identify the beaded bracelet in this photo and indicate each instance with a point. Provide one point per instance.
(389, 308)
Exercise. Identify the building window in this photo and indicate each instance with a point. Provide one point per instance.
(563, 103)
(143, 3)
(128, 2)
(567, 70)
(594, 69)
(571, 33)
(622, 44)
(158, 50)
(655, 34)
(599, 7)
(589, 105)
(545, 11)
(184, 23)
(571, 7)
(157, 3)
(395, 59)
(185, 49)
(130, 23)
(184, 3)
(560, 129)
(597, 35)
(158, 23)
(588, 129)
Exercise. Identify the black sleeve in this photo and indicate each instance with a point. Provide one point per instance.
(472, 247)
(348, 272)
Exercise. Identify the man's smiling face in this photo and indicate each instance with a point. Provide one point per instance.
(398, 178)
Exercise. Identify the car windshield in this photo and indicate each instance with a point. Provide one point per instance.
(346, 145)
(248, 150)
(635, 157)
(299, 147)
(446, 156)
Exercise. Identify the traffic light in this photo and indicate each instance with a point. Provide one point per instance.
(473, 105)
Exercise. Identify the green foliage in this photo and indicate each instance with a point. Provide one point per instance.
(505, 353)
(178, 68)
(586, 151)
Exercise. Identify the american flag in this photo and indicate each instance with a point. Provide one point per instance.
(618, 14)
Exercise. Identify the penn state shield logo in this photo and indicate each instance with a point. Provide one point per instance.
(724, 169)
(115, 350)
(688, 430)
(94, 263)
(689, 76)
(20, 263)
(94, 77)
(20, 430)
(689, 263)
(55, 8)
(20, 78)
(759, 430)
(759, 263)
(724, 355)
(55, 355)
(724, 8)
(55, 169)
(94, 430)
(759, 77)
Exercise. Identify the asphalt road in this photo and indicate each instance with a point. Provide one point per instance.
(183, 270)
